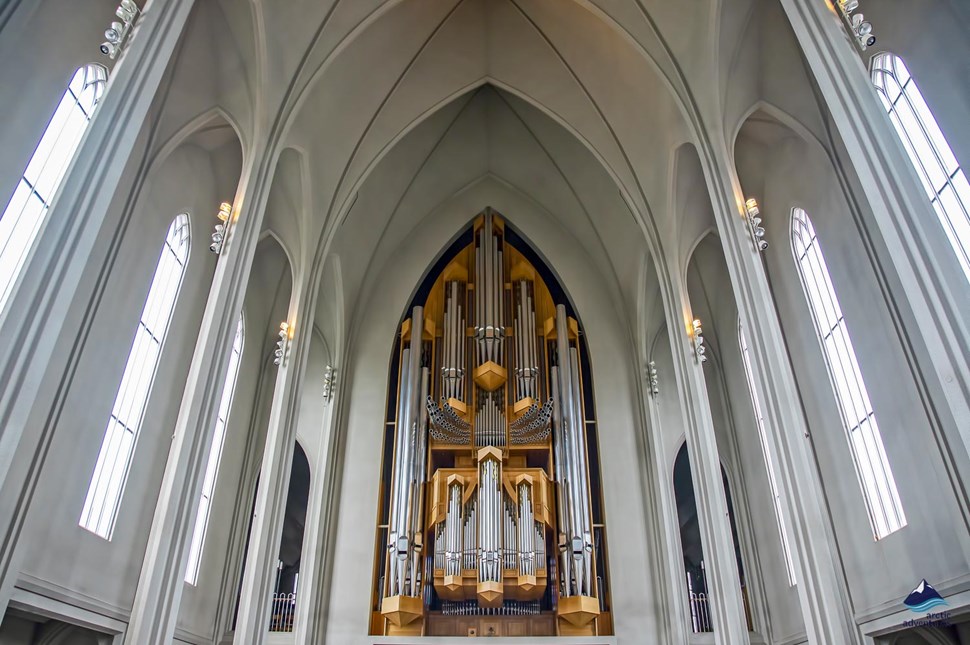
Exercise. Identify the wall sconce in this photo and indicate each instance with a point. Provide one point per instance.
(753, 220)
(282, 345)
(652, 376)
(222, 229)
(699, 349)
(858, 26)
(117, 34)
(329, 379)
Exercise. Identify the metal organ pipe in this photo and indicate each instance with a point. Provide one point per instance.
(583, 513)
(489, 530)
(453, 526)
(403, 558)
(574, 495)
(527, 555)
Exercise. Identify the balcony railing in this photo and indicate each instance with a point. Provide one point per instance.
(700, 611)
(282, 613)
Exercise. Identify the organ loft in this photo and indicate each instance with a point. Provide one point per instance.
(490, 510)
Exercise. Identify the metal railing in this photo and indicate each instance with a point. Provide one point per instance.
(282, 613)
(700, 611)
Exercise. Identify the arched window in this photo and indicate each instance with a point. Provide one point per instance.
(772, 483)
(945, 183)
(118, 447)
(26, 210)
(858, 417)
(215, 454)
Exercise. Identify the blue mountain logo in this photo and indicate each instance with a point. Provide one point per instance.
(923, 598)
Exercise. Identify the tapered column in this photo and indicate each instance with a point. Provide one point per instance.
(160, 585)
(820, 585)
(252, 619)
(723, 578)
(37, 314)
(933, 293)
(675, 606)
(310, 622)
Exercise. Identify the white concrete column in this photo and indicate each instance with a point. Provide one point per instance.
(821, 590)
(161, 583)
(252, 619)
(37, 314)
(676, 609)
(721, 566)
(317, 539)
(932, 294)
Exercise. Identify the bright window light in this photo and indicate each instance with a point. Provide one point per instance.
(944, 181)
(772, 482)
(107, 484)
(215, 454)
(858, 418)
(27, 208)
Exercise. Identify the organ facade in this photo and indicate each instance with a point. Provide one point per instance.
(490, 512)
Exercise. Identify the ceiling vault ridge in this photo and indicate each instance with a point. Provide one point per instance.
(646, 219)
(393, 213)
(338, 187)
(569, 184)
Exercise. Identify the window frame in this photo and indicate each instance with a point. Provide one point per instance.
(39, 182)
(139, 376)
(883, 498)
(926, 149)
(201, 528)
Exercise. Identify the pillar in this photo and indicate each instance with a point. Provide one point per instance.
(252, 618)
(723, 578)
(677, 612)
(51, 297)
(313, 596)
(821, 588)
(156, 606)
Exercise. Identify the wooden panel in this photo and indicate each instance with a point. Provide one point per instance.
(541, 625)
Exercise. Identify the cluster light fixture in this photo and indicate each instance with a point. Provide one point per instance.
(282, 345)
(858, 26)
(654, 380)
(329, 380)
(752, 217)
(118, 33)
(222, 228)
(699, 349)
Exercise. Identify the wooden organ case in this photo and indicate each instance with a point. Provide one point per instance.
(490, 513)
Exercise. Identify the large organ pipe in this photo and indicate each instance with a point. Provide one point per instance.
(453, 334)
(579, 447)
(573, 491)
(453, 526)
(489, 518)
(526, 531)
(408, 440)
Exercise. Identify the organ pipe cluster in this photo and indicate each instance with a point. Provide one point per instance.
(489, 463)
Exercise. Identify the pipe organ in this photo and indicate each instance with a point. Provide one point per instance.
(489, 511)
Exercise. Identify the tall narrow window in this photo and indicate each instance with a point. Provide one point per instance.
(944, 181)
(215, 454)
(858, 417)
(772, 482)
(24, 214)
(111, 472)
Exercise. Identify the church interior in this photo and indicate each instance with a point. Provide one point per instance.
(596, 322)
